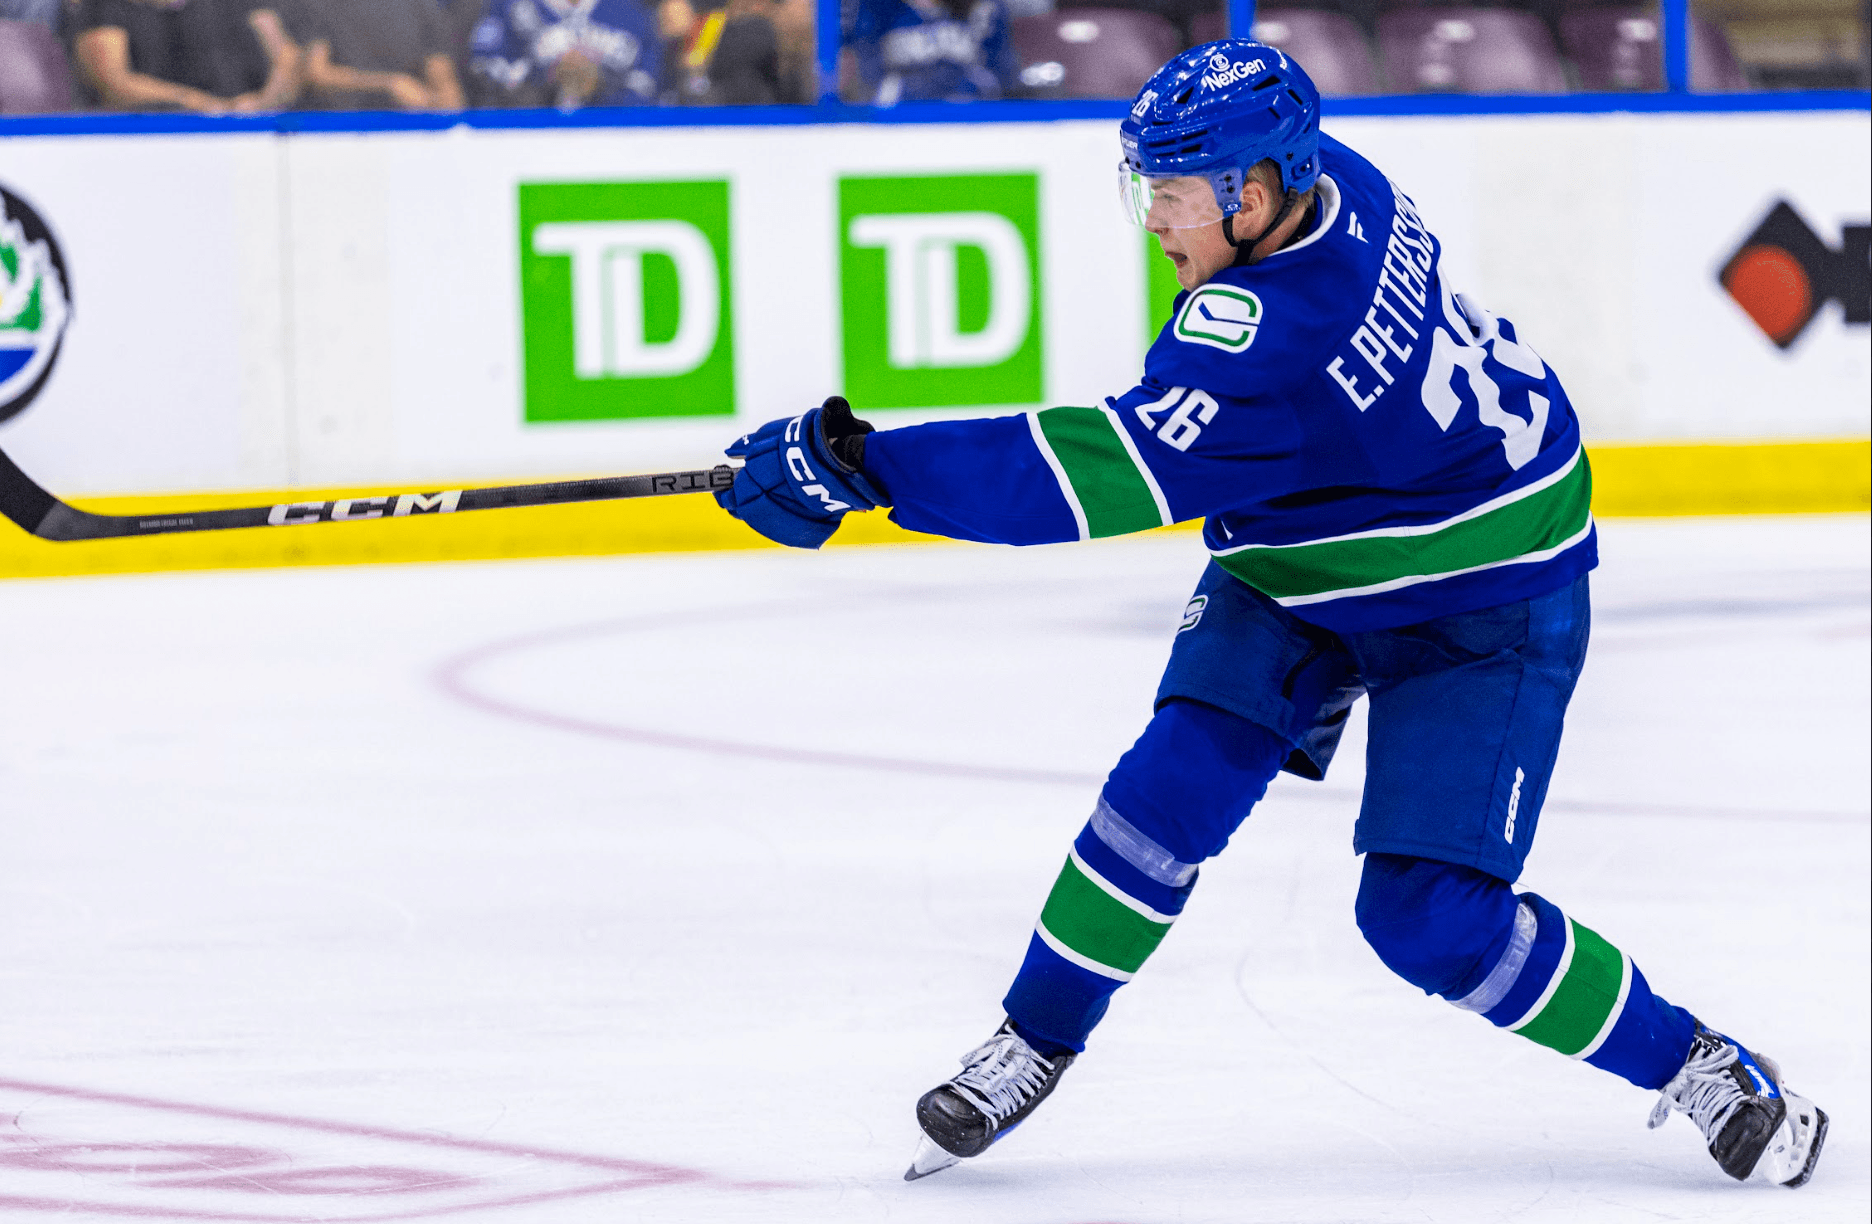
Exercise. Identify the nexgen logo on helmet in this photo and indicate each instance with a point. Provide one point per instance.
(1212, 114)
(1223, 71)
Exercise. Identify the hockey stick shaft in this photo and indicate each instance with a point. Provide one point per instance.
(45, 516)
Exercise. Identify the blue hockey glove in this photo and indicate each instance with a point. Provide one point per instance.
(802, 476)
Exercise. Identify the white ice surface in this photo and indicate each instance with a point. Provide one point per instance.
(474, 861)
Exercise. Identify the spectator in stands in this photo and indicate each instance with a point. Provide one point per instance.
(567, 53)
(933, 50)
(45, 12)
(372, 54)
(747, 53)
(463, 18)
(212, 56)
(796, 24)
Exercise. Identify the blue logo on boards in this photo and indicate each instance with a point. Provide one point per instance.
(35, 303)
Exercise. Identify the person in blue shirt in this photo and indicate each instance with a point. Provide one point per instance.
(933, 50)
(45, 12)
(566, 53)
(1398, 508)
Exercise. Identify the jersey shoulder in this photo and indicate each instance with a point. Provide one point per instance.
(1251, 330)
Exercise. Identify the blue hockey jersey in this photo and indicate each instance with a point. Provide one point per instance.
(925, 50)
(519, 41)
(1370, 448)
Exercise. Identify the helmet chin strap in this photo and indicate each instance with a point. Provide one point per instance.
(1244, 247)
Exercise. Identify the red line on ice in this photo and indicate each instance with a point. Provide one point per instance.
(643, 1174)
(150, 1212)
(452, 677)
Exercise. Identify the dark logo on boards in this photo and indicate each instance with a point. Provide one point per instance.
(1783, 273)
(35, 303)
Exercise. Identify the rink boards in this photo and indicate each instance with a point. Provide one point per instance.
(251, 313)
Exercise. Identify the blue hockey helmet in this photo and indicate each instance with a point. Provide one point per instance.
(1215, 112)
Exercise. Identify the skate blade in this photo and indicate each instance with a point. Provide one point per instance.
(928, 1159)
(1802, 1110)
(1794, 1148)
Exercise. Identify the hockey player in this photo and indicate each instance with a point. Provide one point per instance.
(1398, 506)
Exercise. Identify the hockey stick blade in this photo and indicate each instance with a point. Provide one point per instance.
(45, 516)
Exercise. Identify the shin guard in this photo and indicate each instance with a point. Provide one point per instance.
(1172, 802)
(1102, 920)
(1560, 984)
(1521, 963)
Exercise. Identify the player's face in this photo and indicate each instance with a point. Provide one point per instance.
(1168, 202)
(1182, 212)
(1198, 253)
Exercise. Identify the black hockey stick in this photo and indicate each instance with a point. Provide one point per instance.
(37, 511)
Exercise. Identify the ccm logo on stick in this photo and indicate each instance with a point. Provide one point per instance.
(353, 509)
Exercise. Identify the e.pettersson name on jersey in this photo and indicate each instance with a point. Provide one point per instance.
(1390, 331)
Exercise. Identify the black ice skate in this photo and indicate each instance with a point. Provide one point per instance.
(1752, 1123)
(1000, 1083)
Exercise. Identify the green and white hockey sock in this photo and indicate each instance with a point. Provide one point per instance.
(1112, 904)
(1561, 984)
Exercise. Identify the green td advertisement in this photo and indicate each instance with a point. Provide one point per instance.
(1160, 290)
(625, 300)
(939, 290)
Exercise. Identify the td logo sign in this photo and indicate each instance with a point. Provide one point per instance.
(624, 291)
(939, 290)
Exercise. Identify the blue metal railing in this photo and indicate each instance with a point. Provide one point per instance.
(828, 34)
(1241, 17)
(1676, 45)
(624, 117)
(1675, 98)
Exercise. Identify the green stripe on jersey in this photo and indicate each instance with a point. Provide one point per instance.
(1081, 915)
(1541, 518)
(1104, 480)
(1575, 1011)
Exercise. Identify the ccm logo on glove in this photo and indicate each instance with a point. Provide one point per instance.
(797, 469)
(801, 476)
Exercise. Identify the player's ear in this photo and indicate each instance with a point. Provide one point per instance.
(1254, 196)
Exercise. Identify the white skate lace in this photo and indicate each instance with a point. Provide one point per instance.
(1705, 1089)
(1001, 1075)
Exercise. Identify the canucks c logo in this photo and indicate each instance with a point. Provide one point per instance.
(35, 303)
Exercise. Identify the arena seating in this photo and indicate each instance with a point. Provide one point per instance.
(1350, 47)
(34, 77)
(1713, 63)
(1468, 50)
(1091, 52)
(1331, 45)
(1207, 27)
(1621, 48)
